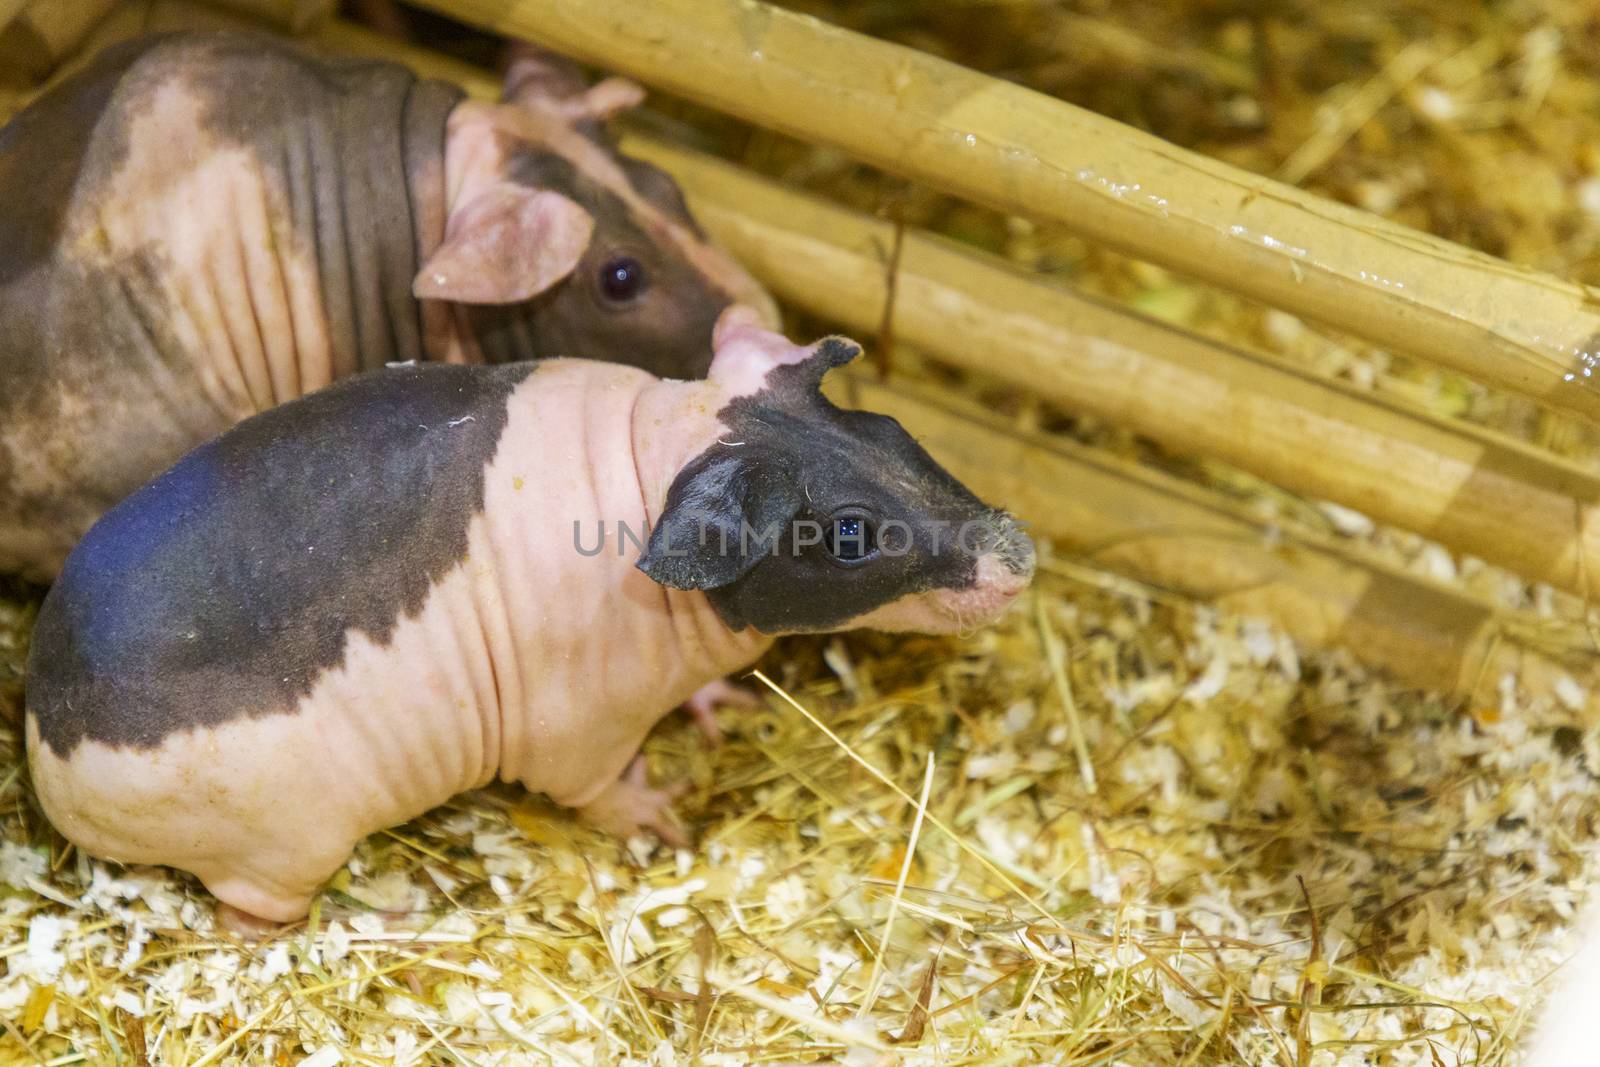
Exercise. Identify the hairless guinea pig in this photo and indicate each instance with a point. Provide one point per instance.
(200, 226)
(349, 608)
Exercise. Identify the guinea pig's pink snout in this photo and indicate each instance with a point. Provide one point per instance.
(1003, 579)
(1003, 571)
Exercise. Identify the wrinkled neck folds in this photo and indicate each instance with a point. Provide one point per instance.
(375, 210)
(671, 424)
(573, 625)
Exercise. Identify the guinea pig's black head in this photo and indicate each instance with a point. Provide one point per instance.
(806, 517)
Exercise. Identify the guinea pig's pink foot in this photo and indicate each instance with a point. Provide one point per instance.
(243, 924)
(630, 805)
(251, 910)
(702, 706)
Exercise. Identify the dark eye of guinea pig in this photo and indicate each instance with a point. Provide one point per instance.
(852, 539)
(622, 279)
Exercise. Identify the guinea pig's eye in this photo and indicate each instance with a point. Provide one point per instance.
(622, 279)
(852, 539)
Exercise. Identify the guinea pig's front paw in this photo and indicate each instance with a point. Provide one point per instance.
(702, 707)
(242, 924)
(630, 806)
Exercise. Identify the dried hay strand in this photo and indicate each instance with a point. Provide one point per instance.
(1119, 828)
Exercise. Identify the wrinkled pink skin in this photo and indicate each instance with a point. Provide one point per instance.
(527, 662)
(268, 345)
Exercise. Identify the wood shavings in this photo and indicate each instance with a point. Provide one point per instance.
(1156, 918)
(1124, 885)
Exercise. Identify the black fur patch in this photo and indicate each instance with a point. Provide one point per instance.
(355, 149)
(343, 138)
(224, 588)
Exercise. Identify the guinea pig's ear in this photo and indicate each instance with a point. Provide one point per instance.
(724, 512)
(746, 352)
(608, 98)
(504, 245)
(535, 76)
(828, 353)
(541, 80)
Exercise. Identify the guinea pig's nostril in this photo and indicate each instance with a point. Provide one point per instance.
(999, 578)
(1018, 552)
(1007, 541)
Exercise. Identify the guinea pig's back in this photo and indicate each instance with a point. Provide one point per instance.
(170, 715)
(225, 586)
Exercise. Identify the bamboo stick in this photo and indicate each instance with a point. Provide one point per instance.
(347, 37)
(1473, 490)
(1190, 541)
(1025, 152)
(10, 9)
(296, 16)
(133, 17)
(165, 16)
(43, 34)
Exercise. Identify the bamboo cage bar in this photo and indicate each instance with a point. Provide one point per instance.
(10, 9)
(37, 38)
(1025, 152)
(347, 37)
(133, 17)
(296, 16)
(1474, 490)
(1188, 540)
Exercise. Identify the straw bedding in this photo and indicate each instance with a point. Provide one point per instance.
(1117, 828)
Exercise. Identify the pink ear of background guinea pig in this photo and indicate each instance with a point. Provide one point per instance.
(200, 226)
(347, 609)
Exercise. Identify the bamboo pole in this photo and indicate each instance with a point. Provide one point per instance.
(132, 17)
(1187, 540)
(10, 9)
(43, 34)
(166, 16)
(1473, 490)
(1476, 491)
(296, 16)
(351, 39)
(1024, 152)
